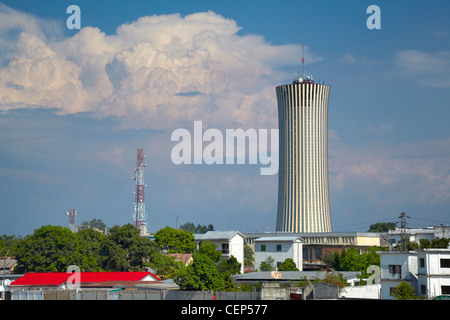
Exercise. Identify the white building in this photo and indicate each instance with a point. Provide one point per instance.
(279, 248)
(396, 267)
(231, 243)
(417, 234)
(433, 272)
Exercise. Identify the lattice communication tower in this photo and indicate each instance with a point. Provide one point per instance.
(139, 215)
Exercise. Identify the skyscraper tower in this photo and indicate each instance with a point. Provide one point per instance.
(303, 198)
(139, 215)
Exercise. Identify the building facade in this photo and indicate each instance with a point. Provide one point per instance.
(433, 272)
(397, 266)
(280, 249)
(303, 196)
(317, 245)
(417, 234)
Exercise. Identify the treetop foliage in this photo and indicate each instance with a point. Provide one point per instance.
(199, 229)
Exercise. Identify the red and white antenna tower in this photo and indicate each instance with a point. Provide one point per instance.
(71, 213)
(139, 215)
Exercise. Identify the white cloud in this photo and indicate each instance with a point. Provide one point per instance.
(158, 72)
(426, 68)
(37, 76)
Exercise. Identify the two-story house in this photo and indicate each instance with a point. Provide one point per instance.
(397, 266)
(433, 272)
(230, 243)
(279, 248)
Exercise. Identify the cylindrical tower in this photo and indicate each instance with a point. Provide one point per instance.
(303, 197)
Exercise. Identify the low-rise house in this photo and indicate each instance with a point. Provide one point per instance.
(426, 270)
(317, 245)
(230, 243)
(416, 234)
(433, 272)
(66, 280)
(397, 266)
(280, 249)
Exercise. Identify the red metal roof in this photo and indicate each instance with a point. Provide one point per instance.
(58, 278)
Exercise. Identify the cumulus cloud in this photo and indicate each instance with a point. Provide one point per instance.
(415, 172)
(157, 72)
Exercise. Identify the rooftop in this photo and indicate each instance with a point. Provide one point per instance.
(59, 278)
(290, 275)
(216, 235)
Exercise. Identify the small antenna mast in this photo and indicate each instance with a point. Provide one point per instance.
(303, 60)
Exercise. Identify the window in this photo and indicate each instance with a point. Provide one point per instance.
(263, 247)
(318, 253)
(278, 247)
(445, 289)
(395, 269)
(305, 253)
(423, 289)
(445, 263)
(392, 291)
(422, 262)
(225, 248)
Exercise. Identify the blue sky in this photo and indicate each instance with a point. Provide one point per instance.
(76, 104)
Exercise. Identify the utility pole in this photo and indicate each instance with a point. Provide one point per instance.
(403, 217)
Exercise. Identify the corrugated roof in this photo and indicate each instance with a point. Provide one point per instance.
(7, 263)
(290, 275)
(277, 239)
(183, 257)
(58, 278)
(215, 235)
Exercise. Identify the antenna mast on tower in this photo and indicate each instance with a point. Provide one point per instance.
(139, 215)
(303, 60)
(72, 213)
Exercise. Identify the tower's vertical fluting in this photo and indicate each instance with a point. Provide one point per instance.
(303, 196)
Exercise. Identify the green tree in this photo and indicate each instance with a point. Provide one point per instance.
(201, 274)
(95, 223)
(190, 227)
(382, 227)
(227, 268)
(288, 265)
(440, 243)
(404, 291)
(113, 257)
(424, 243)
(248, 256)
(91, 241)
(267, 265)
(352, 260)
(175, 241)
(125, 250)
(166, 267)
(51, 249)
(10, 242)
(210, 249)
